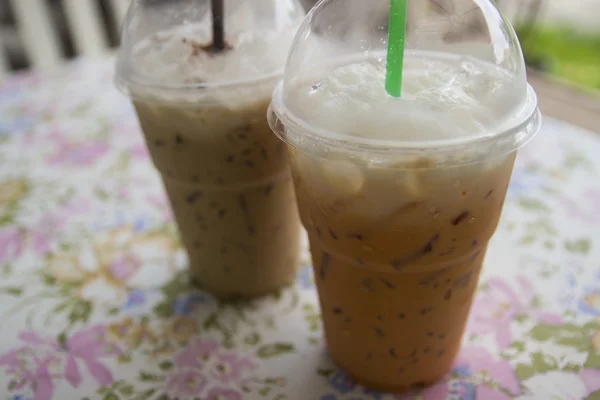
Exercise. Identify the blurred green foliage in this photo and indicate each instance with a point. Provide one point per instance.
(564, 52)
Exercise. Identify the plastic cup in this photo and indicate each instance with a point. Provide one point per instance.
(400, 197)
(202, 112)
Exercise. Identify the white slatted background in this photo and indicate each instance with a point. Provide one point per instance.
(84, 20)
(3, 60)
(40, 36)
(119, 9)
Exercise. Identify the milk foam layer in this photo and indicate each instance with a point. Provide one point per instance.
(443, 98)
(179, 56)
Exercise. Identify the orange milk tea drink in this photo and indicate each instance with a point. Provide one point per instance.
(400, 197)
(202, 113)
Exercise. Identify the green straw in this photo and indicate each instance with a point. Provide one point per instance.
(396, 40)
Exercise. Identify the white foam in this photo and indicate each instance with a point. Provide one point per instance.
(174, 56)
(443, 98)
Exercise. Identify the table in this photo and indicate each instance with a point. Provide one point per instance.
(95, 302)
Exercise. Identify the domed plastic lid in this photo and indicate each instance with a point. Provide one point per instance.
(463, 78)
(171, 45)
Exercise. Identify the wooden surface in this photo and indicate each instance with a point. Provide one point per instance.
(564, 101)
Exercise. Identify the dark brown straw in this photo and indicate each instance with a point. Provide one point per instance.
(218, 22)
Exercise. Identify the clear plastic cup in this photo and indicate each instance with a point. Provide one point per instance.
(400, 196)
(202, 111)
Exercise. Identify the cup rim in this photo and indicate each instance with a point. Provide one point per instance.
(127, 82)
(524, 130)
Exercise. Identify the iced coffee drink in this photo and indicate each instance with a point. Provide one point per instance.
(398, 229)
(202, 113)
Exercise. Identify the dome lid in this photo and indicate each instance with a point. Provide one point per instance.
(464, 78)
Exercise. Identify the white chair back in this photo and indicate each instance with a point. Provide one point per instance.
(119, 9)
(40, 36)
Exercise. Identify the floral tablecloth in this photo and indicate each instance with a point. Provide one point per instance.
(95, 302)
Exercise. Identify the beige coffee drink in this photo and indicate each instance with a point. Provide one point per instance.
(225, 173)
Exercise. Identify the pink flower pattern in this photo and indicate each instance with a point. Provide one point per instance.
(48, 227)
(231, 366)
(591, 379)
(11, 244)
(494, 310)
(139, 151)
(51, 224)
(198, 352)
(162, 204)
(584, 208)
(481, 362)
(184, 384)
(496, 376)
(31, 363)
(124, 267)
(203, 361)
(75, 154)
